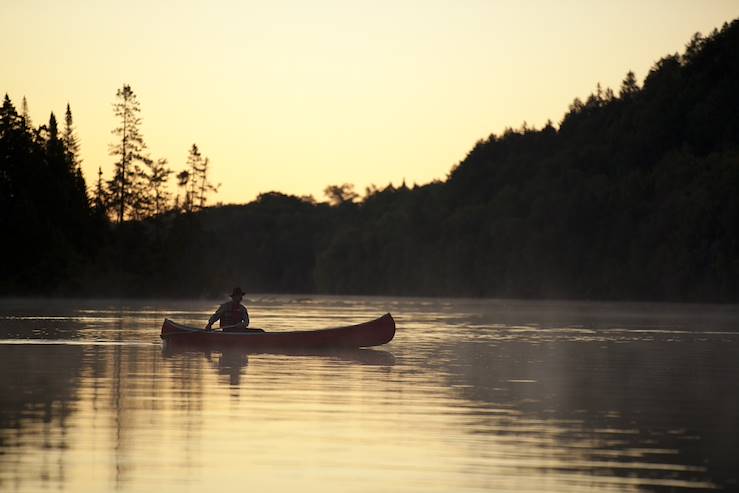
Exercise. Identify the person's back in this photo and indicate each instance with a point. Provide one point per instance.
(232, 314)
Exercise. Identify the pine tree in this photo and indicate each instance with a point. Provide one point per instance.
(140, 201)
(70, 140)
(204, 185)
(8, 117)
(128, 150)
(18, 158)
(100, 200)
(54, 146)
(194, 164)
(58, 194)
(158, 185)
(71, 143)
(25, 115)
(694, 47)
(629, 86)
(61, 180)
(197, 182)
(9, 167)
(183, 179)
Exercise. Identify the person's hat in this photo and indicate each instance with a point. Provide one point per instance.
(237, 292)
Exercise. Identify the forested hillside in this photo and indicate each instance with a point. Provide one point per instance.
(632, 196)
(47, 226)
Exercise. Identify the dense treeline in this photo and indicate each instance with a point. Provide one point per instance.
(62, 238)
(632, 196)
(47, 226)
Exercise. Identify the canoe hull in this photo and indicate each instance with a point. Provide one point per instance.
(373, 333)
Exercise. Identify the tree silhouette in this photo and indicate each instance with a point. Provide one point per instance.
(128, 149)
(43, 206)
(204, 185)
(341, 194)
(183, 180)
(72, 145)
(195, 180)
(70, 139)
(158, 177)
(100, 199)
(629, 86)
(631, 196)
(25, 115)
(141, 201)
(194, 164)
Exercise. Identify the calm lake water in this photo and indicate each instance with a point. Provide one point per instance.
(469, 396)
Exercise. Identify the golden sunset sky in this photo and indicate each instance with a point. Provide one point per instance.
(295, 95)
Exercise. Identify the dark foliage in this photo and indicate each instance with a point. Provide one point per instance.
(633, 196)
(47, 226)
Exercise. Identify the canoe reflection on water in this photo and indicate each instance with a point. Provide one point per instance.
(232, 362)
(372, 357)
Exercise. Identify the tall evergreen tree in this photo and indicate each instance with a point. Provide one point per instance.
(183, 180)
(99, 200)
(25, 115)
(197, 179)
(71, 143)
(629, 86)
(70, 140)
(128, 149)
(140, 199)
(8, 164)
(194, 164)
(158, 177)
(204, 185)
(8, 117)
(60, 185)
(54, 145)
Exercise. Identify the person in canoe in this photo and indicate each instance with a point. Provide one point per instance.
(232, 314)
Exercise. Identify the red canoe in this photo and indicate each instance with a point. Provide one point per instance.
(373, 333)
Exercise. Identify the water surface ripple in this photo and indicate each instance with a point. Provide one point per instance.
(471, 395)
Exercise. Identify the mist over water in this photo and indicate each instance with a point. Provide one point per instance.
(471, 395)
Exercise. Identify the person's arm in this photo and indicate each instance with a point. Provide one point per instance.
(213, 318)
